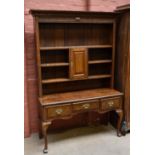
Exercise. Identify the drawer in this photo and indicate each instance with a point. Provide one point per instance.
(57, 111)
(86, 105)
(112, 103)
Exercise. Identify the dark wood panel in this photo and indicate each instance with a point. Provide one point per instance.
(51, 34)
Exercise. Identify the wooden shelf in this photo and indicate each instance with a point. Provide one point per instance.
(55, 64)
(68, 47)
(99, 76)
(99, 61)
(55, 80)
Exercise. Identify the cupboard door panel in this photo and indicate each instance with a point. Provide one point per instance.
(78, 63)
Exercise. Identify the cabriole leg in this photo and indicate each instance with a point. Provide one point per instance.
(45, 126)
(120, 118)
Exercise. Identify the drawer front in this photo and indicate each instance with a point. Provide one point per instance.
(112, 103)
(57, 111)
(86, 105)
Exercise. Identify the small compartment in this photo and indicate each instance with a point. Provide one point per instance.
(100, 54)
(99, 69)
(55, 56)
(55, 72)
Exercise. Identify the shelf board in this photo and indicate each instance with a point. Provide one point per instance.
(99, 76)
(68, 47)
(55, 80)
(99, 61)
(55, 64)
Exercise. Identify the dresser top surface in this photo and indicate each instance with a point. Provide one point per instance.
(78, 96)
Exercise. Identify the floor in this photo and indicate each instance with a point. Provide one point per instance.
(100, 140)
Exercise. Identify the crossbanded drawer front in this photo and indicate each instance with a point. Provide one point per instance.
(56, 111)
(86, 105)
(112, 103)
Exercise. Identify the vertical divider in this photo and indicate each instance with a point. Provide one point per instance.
(113, 53)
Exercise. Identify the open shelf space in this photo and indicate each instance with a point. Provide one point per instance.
(99, 54)
(55, 56)
(74, 34)
(55, 73)
(99, 69)
(58, 87)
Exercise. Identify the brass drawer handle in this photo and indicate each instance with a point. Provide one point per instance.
(59, 111)
(77, 18)
(110, 103)
(86, 106)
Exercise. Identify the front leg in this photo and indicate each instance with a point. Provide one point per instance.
(45, 126)
(120, 118)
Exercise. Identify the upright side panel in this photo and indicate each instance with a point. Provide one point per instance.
(38, 54)
(122, 70)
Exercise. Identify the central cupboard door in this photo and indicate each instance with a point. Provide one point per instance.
(78, 63)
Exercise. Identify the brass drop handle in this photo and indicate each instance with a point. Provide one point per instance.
(58, 111)
(86, 106)
(110, 103)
